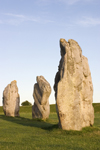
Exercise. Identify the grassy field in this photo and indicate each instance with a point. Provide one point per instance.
(24, 133)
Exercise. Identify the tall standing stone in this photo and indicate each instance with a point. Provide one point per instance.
(41, 93)
(11, 100)
(73, 88)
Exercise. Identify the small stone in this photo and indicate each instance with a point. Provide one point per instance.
(41, 93)
(11, 100)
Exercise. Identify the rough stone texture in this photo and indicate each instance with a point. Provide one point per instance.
(73, 88)
(11, 100)
(41, 93)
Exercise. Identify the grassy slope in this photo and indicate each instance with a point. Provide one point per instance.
(23, 133)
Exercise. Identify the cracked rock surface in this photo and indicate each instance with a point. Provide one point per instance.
(73, 88)
(41, 93)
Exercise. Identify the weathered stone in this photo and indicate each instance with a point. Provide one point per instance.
(41, 93)
(73, 88)
(11, 100)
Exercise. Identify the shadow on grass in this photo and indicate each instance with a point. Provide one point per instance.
(85, 130)
(27, 122)
(45, 125)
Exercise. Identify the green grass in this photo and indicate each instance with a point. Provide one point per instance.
(24, 133)
(96, 107)
(52, 108)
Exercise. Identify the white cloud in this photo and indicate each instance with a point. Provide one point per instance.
(89, 21)
(67, 2)
(72, 2)
(21, 18)
(47, 2)
(16, 19)
(14, 15)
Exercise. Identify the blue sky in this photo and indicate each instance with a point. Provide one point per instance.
(29, 40)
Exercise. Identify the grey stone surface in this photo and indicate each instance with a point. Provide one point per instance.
(11, 100)
(73, 88)
(41, 93)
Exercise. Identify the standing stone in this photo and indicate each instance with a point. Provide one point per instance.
(41, 93)
(73, 88)
(11, 100)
